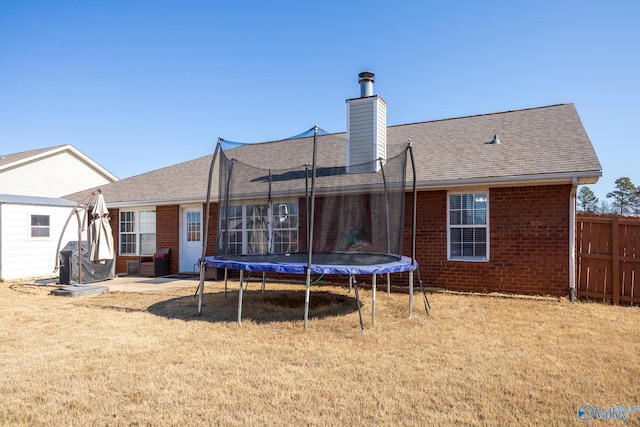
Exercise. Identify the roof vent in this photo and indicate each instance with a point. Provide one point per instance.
(495, 140)
(366, 80)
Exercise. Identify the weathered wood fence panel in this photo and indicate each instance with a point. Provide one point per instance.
(608, 259)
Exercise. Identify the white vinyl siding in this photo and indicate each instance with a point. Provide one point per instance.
(468, 226)
(53, 176)
(366, 132)
(361, 146)
(24, 256)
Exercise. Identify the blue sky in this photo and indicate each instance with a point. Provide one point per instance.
(139, 85)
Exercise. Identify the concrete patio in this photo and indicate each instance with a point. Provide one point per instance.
(149, 284)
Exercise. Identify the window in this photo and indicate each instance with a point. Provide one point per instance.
(193, 227)
(137, 232)
(285, 228)
(254, 228)
(468, 227)
(40, 226)
(232, 227)
(257, 228)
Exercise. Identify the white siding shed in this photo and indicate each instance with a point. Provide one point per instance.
(29, 231)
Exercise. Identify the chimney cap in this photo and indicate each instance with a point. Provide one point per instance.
(366, 76)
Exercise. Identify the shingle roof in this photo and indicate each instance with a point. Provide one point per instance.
(16, 199)
(537, 145)
(9, 158)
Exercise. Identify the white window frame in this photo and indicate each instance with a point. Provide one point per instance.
(279, 218)
(41, 227)
(137, 232)
(475, 192)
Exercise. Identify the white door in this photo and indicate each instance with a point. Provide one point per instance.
(191, 240)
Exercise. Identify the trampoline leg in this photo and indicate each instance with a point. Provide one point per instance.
(388, 284)
(355, 287)
(374, 282)
(201, 292)
(240, 298)
(351, 280)
(264, 277)
(410, 294)
(226, 277)
(306, 299)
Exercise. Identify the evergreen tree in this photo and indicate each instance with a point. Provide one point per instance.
(636, 206)
(587, 201)
(625, 197)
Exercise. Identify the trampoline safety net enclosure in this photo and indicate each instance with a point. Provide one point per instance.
(308, 206)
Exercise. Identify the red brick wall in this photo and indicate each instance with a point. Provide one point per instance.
(529, 240)
(167, 236)
(168, 233)
(212, 231)
(121, 262)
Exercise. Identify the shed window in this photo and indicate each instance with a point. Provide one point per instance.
(40, 226)
(468, 231)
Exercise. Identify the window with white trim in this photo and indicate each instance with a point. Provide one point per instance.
(233, 228)
(137, 232)
(285, 227)
(40, 226)
(468, 226)
(194, 226)
(259, 228)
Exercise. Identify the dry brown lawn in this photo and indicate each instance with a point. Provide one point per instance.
(146, 359)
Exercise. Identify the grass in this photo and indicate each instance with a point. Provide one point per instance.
(146, 359)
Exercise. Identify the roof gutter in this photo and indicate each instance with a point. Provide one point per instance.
(157, 202)
(586, 177)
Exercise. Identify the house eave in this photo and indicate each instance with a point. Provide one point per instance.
(156, 202)
(583, 178)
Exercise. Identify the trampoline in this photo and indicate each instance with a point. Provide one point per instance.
(343, 263)
(308, 214)
(336, 263)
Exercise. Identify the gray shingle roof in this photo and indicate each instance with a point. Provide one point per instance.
(9, 158)
(537, 145)
(17, 199)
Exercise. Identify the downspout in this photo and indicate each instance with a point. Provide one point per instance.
(572, 240)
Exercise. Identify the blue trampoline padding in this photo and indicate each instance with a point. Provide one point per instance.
(322, 263)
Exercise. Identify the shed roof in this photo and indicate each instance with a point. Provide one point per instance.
(538, 146)
(16, 199)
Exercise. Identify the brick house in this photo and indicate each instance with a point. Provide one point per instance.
(518, 169)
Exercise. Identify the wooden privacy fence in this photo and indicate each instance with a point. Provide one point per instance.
(608, 259)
